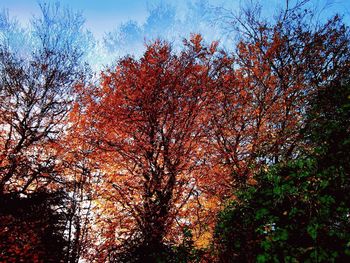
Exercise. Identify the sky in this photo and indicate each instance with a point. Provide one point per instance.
(105, 15)
(122, 27)
(101, 15)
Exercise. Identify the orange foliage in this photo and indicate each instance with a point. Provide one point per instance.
(146, 122)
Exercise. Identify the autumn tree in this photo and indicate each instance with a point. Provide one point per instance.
(277, 65)
(295, 208)
(146, 120)
(35, 98)
(39, 66)
(298, 211)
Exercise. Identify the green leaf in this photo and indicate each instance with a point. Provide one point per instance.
(261, 258)
(262, 212)
(312, 230)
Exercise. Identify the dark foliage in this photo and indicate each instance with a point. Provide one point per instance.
(32, 227)
(145, 250)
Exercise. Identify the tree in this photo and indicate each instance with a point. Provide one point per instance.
(39, 67)
(146, 121)
(261, 104)
(299, 211)
(35, 99)
(286, 212)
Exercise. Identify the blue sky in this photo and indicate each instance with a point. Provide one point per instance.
(100, 15)
(123, 27)
(104, 15)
